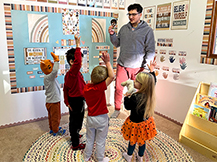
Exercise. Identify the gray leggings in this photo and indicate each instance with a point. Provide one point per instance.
(97, 130)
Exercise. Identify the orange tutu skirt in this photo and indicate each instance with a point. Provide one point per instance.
(139, 132)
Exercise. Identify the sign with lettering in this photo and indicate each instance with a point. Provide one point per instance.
(180, 15)
(163, 16)
(34, 55)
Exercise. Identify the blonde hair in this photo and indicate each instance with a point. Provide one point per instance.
(147, 91)
(99, 74)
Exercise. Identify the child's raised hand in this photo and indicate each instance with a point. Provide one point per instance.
(152, 64)
(105, 57)
(77, 40)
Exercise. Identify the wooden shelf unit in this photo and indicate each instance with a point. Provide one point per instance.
(198, 133)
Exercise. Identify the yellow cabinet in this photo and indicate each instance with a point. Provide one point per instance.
(198, 133)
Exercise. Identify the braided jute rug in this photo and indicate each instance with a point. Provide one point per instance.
(162, 148)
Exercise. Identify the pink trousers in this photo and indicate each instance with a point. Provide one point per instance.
(122, 74)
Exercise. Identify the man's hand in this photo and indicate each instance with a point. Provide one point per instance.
(111, 30)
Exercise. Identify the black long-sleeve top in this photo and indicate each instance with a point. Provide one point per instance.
(131, 102)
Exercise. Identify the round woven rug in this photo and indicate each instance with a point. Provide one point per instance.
(58, 149)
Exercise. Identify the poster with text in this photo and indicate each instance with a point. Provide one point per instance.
(98, 3)
(163, 16)
(114, 4)
(180, 15)
(72, 2)
(63, 2)
(149, 16)
(82, 2)
(107, 4)
(90, 3)
(121, 4)
(34, 55)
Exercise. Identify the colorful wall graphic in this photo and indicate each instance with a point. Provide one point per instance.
(98, 30)
(23, 55)
(38, 28)
(70, 21)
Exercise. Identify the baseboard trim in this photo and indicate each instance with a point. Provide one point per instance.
(168, 118)
(28, 121)
(66, 113)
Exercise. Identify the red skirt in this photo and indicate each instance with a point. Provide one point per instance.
(139, 132)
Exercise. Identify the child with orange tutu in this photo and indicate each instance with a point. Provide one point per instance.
(140, 126)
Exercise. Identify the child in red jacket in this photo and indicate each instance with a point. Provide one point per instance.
(73, 94)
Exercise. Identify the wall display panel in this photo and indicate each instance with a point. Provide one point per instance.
(82, 2)
(98, 3)
(52, 1)
(149, 16)
(41, 0)
(121, 4)
(107, 4)
(172, 62)
(91, 3)
(70, 21)
(163, 16)
(72, 2)
(98, 30)
(63, 1)
(180, 15)
(25, 72)
(114, 4)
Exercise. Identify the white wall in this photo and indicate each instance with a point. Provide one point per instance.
(174, 97)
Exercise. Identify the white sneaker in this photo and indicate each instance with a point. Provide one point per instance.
(127, 157)
(105, 159)
(115, 114)
(139, 158)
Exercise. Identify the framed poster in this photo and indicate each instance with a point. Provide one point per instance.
(63, 1)
(163, 16)
(52, 1)
(34, 55)
(90, 3)
(121, 4)
(72, 2)
(149, 16)
(107, 4)
(180, 15)
(82, 2)
(98, 3)
(114, 4)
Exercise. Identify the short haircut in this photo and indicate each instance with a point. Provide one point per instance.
(70, 55)
(134, 6)
(99, 74)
